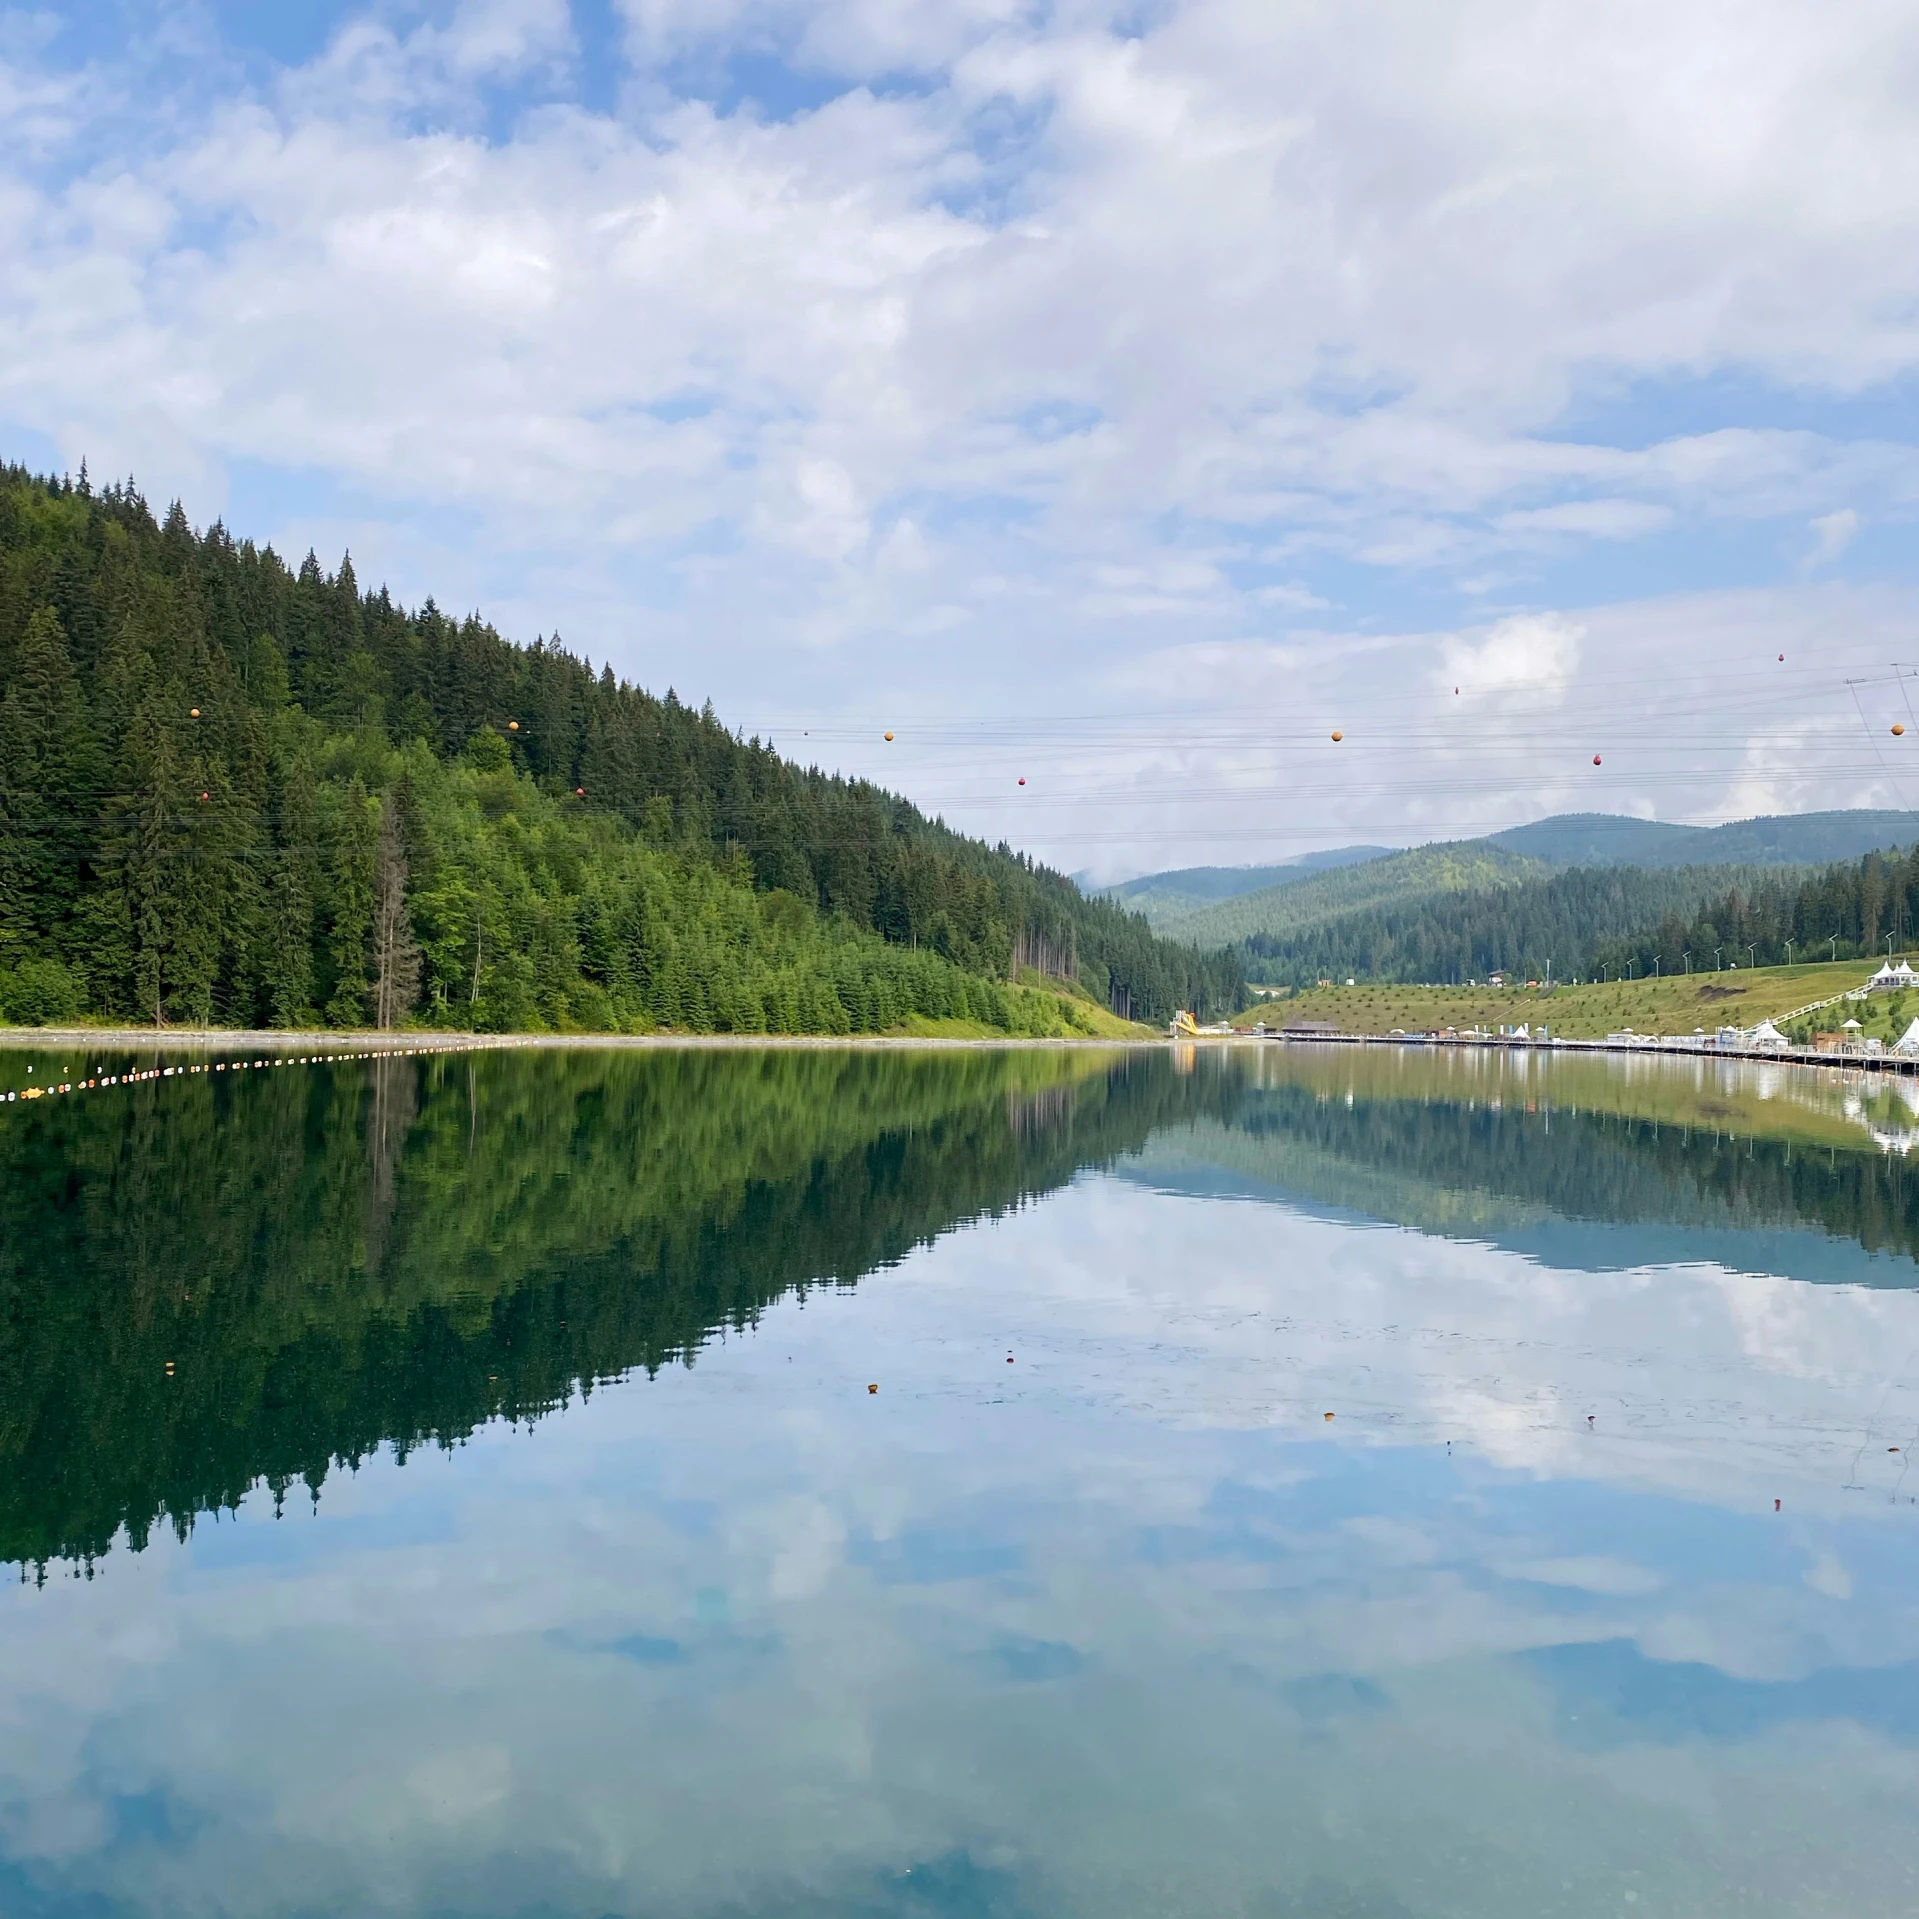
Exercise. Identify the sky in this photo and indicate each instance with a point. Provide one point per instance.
(1117, 398)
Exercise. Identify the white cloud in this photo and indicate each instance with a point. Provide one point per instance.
(1534, 655)
(1833, 533)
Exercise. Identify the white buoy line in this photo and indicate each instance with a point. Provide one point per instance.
(101, 1082)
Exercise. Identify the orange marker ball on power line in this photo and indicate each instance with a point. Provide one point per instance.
(193, 712)
(889, 736)
(1337, 737)
(512, 726)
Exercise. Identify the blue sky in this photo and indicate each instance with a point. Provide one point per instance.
(1112, 396)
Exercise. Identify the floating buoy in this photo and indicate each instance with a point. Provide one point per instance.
(1009, 1361)
(1329, 1415)
(1775, 1505)
(1595, 759)
(873, 1388)
(889, 736)
(1337, 737)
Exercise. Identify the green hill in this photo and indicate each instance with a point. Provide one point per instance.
(234, 792)
(1168, 898)
(1781, 839)
(1417, 875)
(1542, 923)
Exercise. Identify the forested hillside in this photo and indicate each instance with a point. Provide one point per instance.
(1411, 878)
(1770, 839)
(1567, 922)
(1169, 899)
(237, 793)
(1857, 908)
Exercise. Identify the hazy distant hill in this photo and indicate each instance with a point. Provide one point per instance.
(1168, 897)
(1206, 904)
(1282, 912)
(1548, 921)
(1780, 839)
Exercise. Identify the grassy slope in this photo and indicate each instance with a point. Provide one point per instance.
(1581, 1012)
(1456, 867)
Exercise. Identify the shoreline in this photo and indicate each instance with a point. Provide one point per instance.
(333, 1042)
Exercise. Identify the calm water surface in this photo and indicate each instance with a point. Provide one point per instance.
(453, 1487)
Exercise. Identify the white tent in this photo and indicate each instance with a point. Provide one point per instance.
(1908, 1041)
(1904, 974)
(1766, 1034)
(1884, 980)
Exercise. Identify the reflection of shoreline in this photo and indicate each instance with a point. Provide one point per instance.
(1837, 1104)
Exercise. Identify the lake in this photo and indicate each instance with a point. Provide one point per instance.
(1305, 1483)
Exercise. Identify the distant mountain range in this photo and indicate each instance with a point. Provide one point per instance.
(1778, 839)
(1215, 905)
(1191, 889)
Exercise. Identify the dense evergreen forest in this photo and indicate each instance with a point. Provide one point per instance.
(235, 793)
(1847, 911)
(1574, 921)
(206, 1283)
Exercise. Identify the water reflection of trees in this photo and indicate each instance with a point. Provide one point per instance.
(330, 1260)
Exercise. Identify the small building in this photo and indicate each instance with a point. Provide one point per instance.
(1310, 1029)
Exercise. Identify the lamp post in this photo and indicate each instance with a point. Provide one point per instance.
(1716, 951)
(1688, 959)
(1630, 964)
(1835, 948)
(1790, 944)
(1655, 966)
(1752, 953)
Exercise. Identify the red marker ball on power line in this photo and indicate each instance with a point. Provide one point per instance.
(1595, 759)
(1022, 781)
